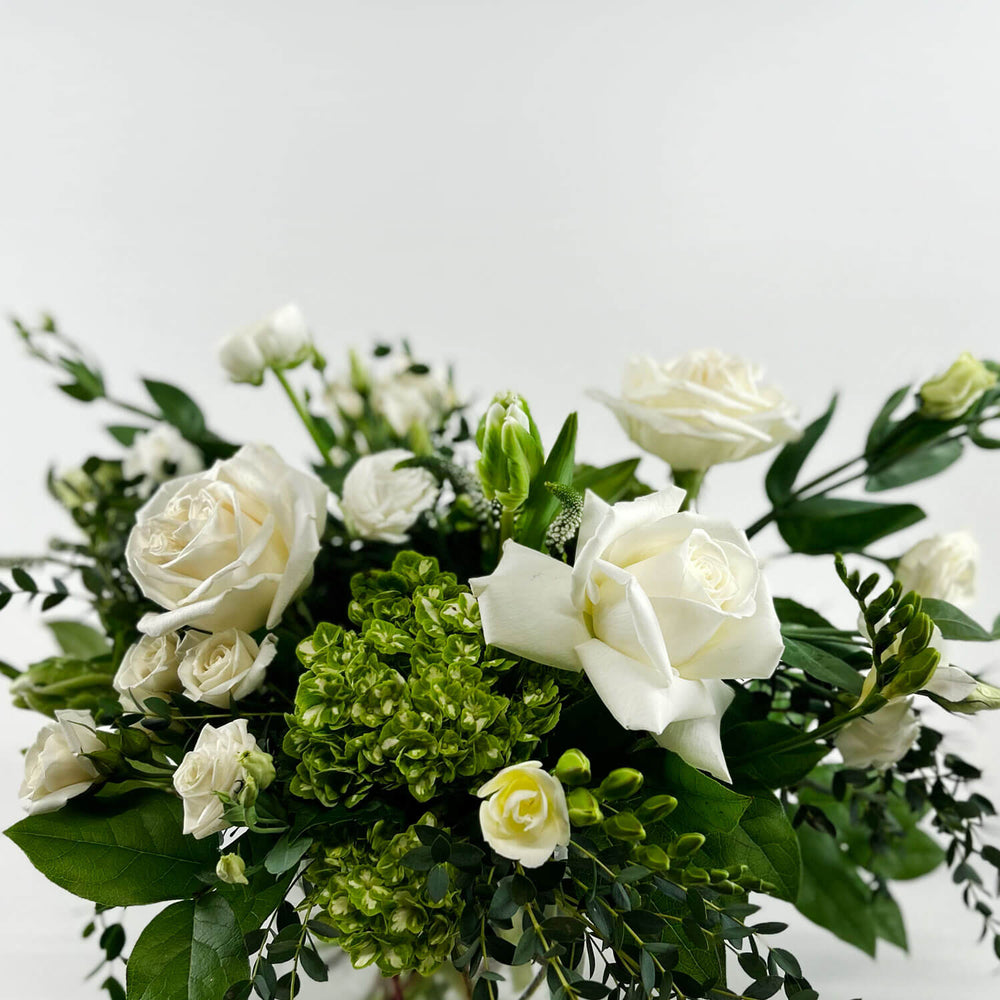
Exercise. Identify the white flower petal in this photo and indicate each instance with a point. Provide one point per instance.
(698, 742)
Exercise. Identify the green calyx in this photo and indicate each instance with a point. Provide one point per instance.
(511, 452)
(414, 699)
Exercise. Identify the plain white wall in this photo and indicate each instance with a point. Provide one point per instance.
(534, 190)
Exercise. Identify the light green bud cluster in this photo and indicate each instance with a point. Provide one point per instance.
(382, 910)
(63, 682)
(511, 453)
(415, 699)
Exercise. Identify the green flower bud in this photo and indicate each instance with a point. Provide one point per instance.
(109, 763)
(652, 857)
(696, 876)
(656, 808)
(948, 396)
(686, 845)
(913, 674)
(624, 826)
(620, 784)
(718, 875)
(727, 888)
(135, 743)
(511, 451)
(584, 809)
(573, 768)
(232, 869)
(259, 766)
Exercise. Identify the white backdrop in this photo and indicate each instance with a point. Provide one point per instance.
(534, 189)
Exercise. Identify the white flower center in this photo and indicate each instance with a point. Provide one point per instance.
(708, 564)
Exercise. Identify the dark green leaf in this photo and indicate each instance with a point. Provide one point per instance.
(541, 506)
(24, 580)
(112, 941)
(888, 918)
(313, 966)
(920, 464)
(772, 770)
(883, 423)
(177, 408)
(610, 483)
(763, 988)
(954, 623)
(254, 903)
(286, 853)
(437, 883)
(821, 665)
(192, 949)
(828, 524)
(124, 851)
(787, 962)
(787, 464)
(78, 640)
(790, 612)
(124, 435)
(115, 989)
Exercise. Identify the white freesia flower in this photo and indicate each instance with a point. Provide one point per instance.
(280, 340)
(148, 669)
(658, 610)
(942, 567)
(230, 547)
(380, 502)
(406, 398)
(525, 816)
(214, 765)
(160, 454)
(223, 667)
(880, 739)
(702, 409)
(55, 769)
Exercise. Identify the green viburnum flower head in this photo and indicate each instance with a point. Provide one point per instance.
(63, 682)
(383, 910)
(415, 699)
(511, 453)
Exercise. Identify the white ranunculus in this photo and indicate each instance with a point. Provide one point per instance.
(525, 817)
(380, 503)
(214, 765)
(701, 409)
(223, 667)
(942, 567)
(158, 455)
(880, 739)
(659, 609)
(54, 767)
(406, 398)
(148, 670)
(280, 340)
(230, 547)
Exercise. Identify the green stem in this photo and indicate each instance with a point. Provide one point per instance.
(506, 527)
(137, 410)
(689, 480)
(304, 415)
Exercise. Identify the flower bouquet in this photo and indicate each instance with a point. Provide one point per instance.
(457, 705)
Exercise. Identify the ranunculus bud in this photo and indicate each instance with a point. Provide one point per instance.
(621, 783)
(584, 809)
(948, 396)
(573, 768)
(232, 869)
(510, 451)
(280, 340)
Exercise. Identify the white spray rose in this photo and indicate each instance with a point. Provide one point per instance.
(230, 547)
(942, 567)
(148, 670)
(406, 398)
(658, 610)
(214, 765)
(280, 340)
(224, 667)
(54, 768)
(380, 503)
(525, 816)
(880, 739)
(158, 455)
(948, 396)
(702, 409)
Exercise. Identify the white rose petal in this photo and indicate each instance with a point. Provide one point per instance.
(280, 340)
(54, 768)
(230, 547)
(702, 409)
(148, 669)
(659, 609)
(224, 667)
(880, 739)
(212, 766)
(158, 455)
(380, 502)
(942, 567)
(525, 817)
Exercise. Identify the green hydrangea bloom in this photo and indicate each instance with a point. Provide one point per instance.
(415, 699)
(383, 911)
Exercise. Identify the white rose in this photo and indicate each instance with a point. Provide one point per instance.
(224, 667)
(54, 768)
(148, 670)
(280, 340)
(158, 455)
(702, 409)
(213, 765)
(406, 398)
(659, 608)
(230, 547)
(942, 567)
(525, 816)
(380, 503)
(880, 739)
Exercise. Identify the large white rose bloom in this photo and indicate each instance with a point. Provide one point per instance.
(230, 547)
(525, 816)
(380, 503)
(702, 409)
(55, 769)
(223, 667)
(148, 669)
(659, 609)
(158, 455)
(880, 739)
(280, 340)
(943, 567)
(214, 765)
